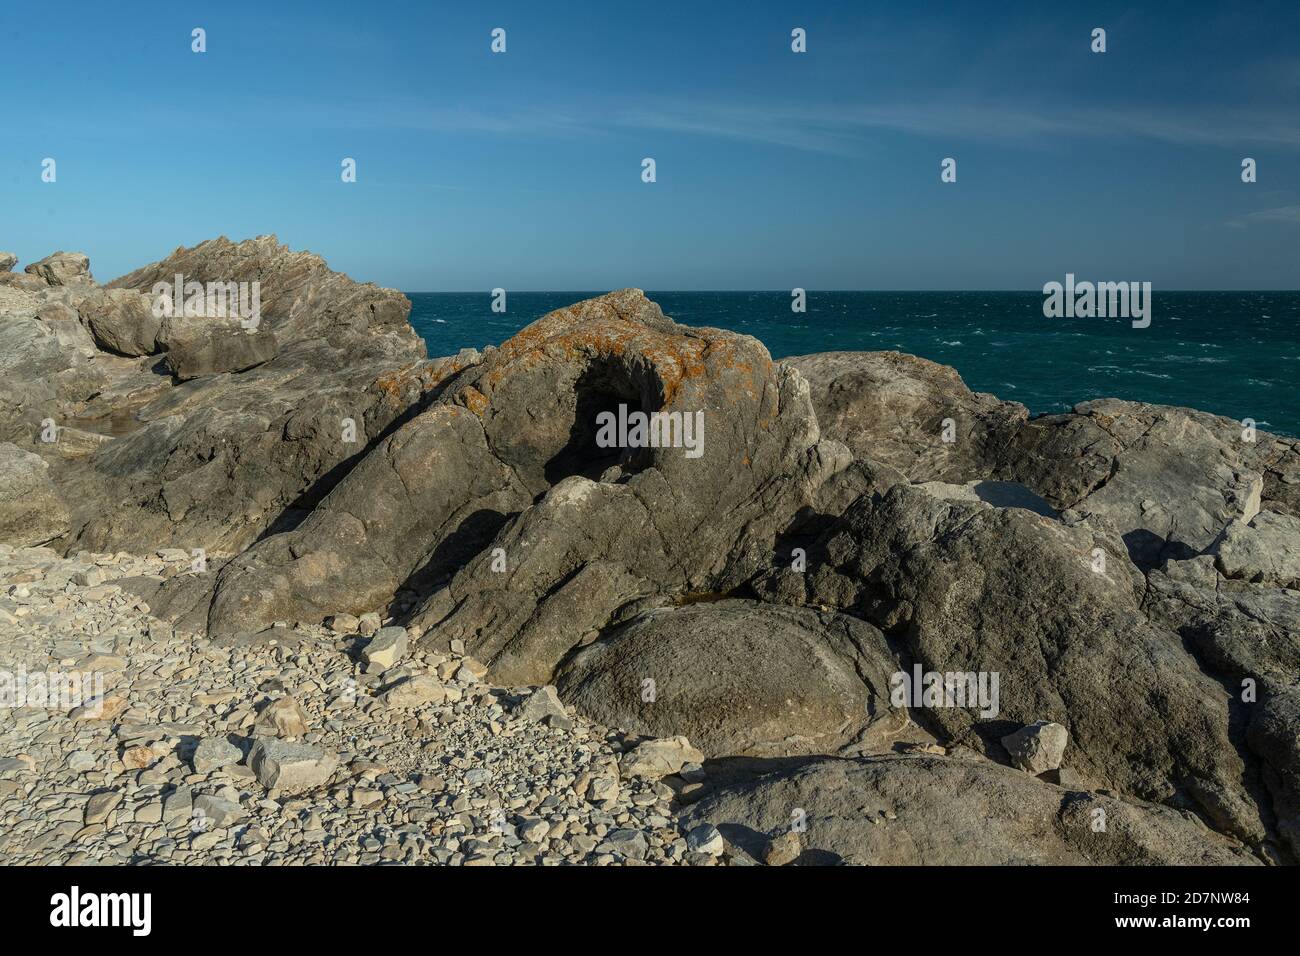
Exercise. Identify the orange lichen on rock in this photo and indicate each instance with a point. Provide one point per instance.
(474, 400)
(601, 329)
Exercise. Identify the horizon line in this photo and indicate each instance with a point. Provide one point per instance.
(488, 292)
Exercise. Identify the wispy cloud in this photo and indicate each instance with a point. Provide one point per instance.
(848, 128)
(842, 129)
(1277, 214)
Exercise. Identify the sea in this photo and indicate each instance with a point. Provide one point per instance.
(1231, 353)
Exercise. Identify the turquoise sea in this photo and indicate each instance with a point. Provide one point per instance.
(1232, 353)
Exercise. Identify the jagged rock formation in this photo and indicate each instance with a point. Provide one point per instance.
(830, 523)
(145, 459)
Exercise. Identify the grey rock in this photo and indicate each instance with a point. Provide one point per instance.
(738, 678)
(892, 408)
(625, 842)
(213, 753)
(282, 717)
(210, 346)
(343, 623)
(704, 838)
(969, 588)
(1266, 550)
(658, 758)
(216, 811)
(414, 692)
(290, 767)
(215, 460)
(121, 321)
(100, 805)
(1038, 747)
(507, 454)
(900, 810)
(1169, 480)
(31, 511)
(7, 261)
(542, 703)
(533, 830)
(62, 268)
(387, 647)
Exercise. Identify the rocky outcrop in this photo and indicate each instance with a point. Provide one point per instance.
(208, 346)
(914, 415)
(62, 268)
(7, 261)
(148, 460)
(301, 299)
(1248, 637)
(852, 586)
(1168, 479)
(983, 590)
(566, 533)
(1266, 550)
(935, 811)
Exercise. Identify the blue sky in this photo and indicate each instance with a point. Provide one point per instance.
(775, 169)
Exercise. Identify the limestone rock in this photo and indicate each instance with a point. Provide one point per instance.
(704, 838)
(213, 811)
(387, 647)
(737, 678)
(282, 718)
(121, 321)
(290, 767)
(658, 758)
(31, 511)
(413, 692)
(1037, 747)
(974, 590)
(62, 268)
(1266, 550)
(213, 753)
(904, 810)
(1169, 480)
(541, 704)
(893, 408)
(209, 346)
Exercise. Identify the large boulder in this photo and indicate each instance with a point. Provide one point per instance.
(1169, 480)
(62, 268)
(209, 346)
(7, 261)
(31, 512)
(121, 321)
(935, 811)
(1265, 550)
(426, 499)
(1248, 636)
(739, 677)
(909, 413)
(1052, 610)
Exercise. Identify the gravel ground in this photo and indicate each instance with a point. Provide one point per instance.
(409, 759)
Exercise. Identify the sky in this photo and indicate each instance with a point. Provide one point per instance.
(774, 169)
